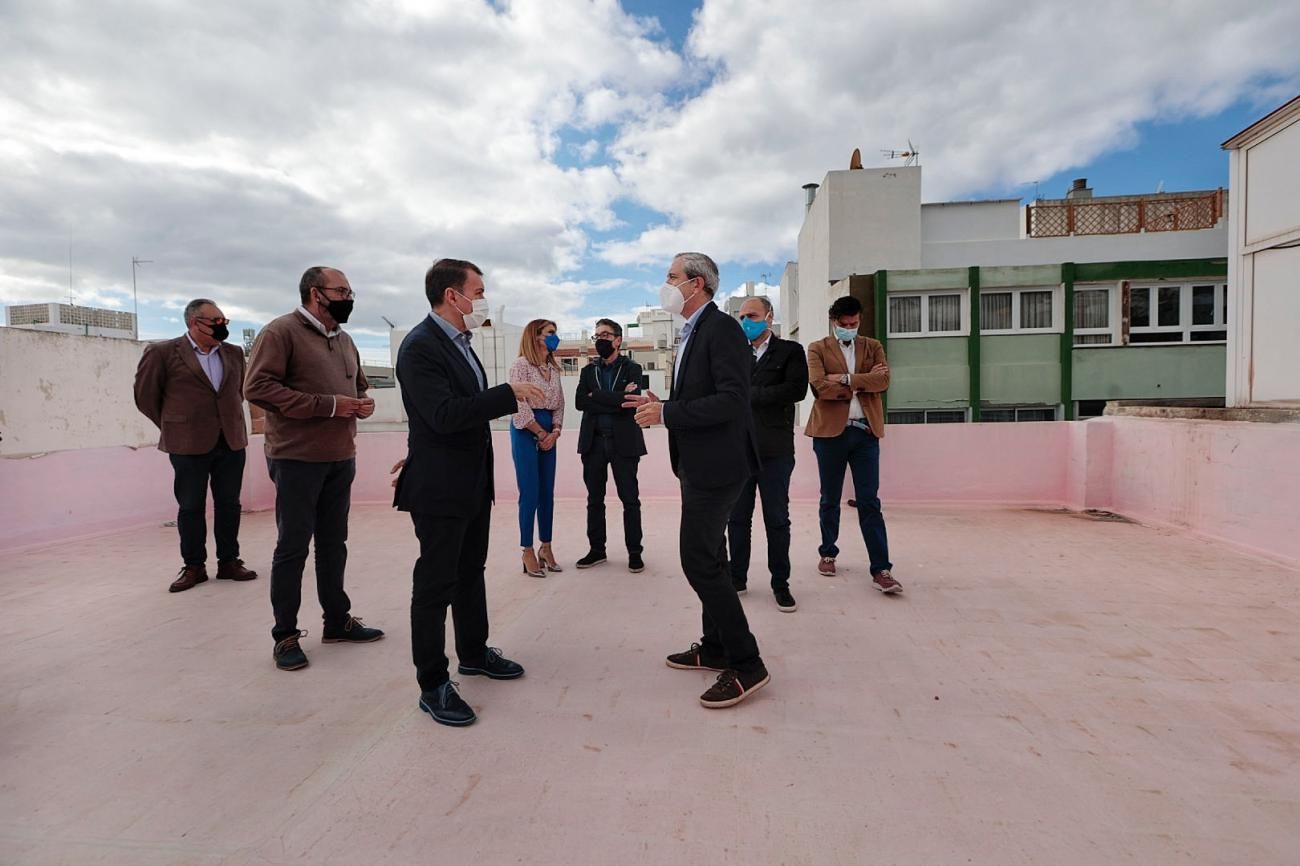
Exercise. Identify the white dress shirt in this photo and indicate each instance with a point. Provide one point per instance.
(761, 349)
(851, 358)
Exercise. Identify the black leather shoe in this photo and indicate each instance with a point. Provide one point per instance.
(635, 563)
(785, 601)
(288, 655)
(595, 557)
(446, 706)
(353, 631)
(494, 665)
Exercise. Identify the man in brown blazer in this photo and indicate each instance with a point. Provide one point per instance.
(192, 388)
(848, 373)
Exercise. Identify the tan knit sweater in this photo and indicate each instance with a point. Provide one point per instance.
(294, 373)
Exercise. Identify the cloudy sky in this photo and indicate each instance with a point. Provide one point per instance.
(570, 147)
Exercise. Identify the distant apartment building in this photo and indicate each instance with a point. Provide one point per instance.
(72, 319)
(1264, 268)
(994, 311)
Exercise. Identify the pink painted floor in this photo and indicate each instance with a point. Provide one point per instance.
(1050, 690)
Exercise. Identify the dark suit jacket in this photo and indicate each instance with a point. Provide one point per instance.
(710, 427)
(779, 382)
(174, 393)
(591, 400)
(448, 467)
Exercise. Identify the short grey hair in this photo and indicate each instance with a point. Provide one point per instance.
(699, 265)
(193, 307)
(762, 299)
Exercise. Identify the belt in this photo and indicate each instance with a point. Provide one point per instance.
(860, 424)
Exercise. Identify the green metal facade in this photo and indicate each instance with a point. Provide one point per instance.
(978, 370)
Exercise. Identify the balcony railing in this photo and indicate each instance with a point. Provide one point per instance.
(1129, 216)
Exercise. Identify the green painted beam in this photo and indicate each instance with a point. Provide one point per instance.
(1169, 269)
(1011, 276)
(973, 342)
(882, 320)
(1067, 342)
(929, 278)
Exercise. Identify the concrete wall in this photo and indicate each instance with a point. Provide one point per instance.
(59, 391)
(1275, 319)
(945, 222)
(1237, 482)
(1202, 244)
(1148, 372)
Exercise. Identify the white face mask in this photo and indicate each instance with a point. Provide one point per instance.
(478, 313)
(671, 299)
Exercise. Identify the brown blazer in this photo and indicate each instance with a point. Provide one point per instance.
(173, 392)
(830, 414)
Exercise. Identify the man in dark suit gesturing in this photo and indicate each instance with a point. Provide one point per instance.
(780, 380)
(446, 485)
(712, 449)
(192, 387)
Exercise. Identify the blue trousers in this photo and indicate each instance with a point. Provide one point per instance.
(859, 452)
(535, 474)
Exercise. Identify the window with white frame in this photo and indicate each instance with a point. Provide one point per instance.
(1195, 312)
(1093, 316)
(996, 414)
(927, 314)
(1019, 311)
(926, 416)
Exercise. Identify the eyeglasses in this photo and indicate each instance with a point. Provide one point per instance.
(604, 335)
(212, 322)
(347, 293)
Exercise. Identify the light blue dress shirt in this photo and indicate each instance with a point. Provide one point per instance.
(461, 340)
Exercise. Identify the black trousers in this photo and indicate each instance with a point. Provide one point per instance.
(312, 500)
(223, 469)
(595, 473)
(702, 537)
(449, 572)
(773, 486)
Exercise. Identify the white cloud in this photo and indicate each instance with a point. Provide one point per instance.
(992, 93)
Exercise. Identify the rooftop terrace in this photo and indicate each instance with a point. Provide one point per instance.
(1050, 689)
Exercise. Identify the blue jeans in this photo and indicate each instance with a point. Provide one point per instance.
(535, 474)
(858, 451)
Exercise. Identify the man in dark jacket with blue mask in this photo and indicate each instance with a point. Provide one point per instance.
(779, 382)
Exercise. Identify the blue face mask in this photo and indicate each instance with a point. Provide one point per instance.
(753, 328)
(845, 335)
(552, 342)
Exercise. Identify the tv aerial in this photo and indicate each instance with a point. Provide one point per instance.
(911, 156)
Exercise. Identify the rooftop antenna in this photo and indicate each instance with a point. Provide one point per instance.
(911, 156)
(135, 297)
(1035, 183)
(389, 323)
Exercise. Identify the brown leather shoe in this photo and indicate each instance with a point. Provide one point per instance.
(190, 576)
(885, 582)
(234, 570)
(826, 566)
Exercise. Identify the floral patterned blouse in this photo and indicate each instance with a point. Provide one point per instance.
(522, 371)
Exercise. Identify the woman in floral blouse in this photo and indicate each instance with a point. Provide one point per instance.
(533, 433)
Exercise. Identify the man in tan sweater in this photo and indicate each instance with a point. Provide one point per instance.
(306, 373)
(848, 373)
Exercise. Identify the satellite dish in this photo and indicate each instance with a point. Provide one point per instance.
(855, 161)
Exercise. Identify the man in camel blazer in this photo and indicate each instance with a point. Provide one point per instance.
(848, 373)
(192, 388)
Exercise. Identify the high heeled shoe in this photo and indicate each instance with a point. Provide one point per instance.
(547, 558)
(532, 567)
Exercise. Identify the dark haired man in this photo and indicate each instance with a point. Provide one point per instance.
(609, 438)
(305, 371)
(848, 373)
(446, 485)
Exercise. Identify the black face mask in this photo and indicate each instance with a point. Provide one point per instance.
(220, 333)
(339, 310)
(604, 348)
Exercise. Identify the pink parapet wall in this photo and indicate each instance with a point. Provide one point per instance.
(1234, 481)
